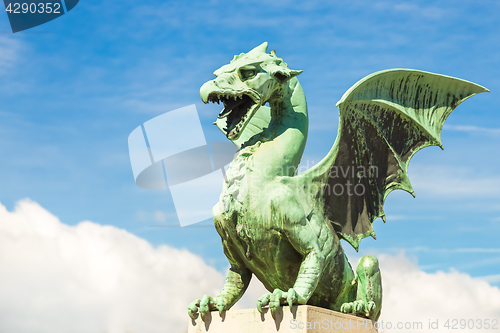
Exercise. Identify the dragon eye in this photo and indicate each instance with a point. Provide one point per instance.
(247, 73)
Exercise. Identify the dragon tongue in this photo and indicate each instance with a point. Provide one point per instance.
(229, 106)
(224, 113)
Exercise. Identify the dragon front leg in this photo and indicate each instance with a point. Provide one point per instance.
(304, 286)
(237, 281)
(303, 234)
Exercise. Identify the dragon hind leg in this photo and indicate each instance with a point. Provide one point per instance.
(368, 301)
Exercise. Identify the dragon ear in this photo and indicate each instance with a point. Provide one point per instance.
(283, 74)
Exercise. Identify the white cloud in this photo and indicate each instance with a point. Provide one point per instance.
(411, 295)
(92, 278)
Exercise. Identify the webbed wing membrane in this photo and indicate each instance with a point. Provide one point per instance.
(385, 119)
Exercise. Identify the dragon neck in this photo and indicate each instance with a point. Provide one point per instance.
(282, 143)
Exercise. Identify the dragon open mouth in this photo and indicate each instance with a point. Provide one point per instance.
(238, 108)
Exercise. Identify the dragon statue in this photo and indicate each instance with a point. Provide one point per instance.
(284, 227)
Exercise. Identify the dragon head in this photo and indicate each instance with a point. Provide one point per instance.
(245, 84)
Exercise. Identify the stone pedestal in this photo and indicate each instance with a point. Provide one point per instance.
(302, 319)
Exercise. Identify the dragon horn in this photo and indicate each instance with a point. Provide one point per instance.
(262, 48)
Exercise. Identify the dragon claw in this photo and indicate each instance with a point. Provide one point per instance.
(220, 304)
(206, 304)
(263, 301)
(358, 307)
(193, 308)
(276, 299)
(371, 306)
(292, 298)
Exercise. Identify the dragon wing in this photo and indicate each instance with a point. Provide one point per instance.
(385, 119)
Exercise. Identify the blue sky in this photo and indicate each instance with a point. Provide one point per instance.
(73, 89)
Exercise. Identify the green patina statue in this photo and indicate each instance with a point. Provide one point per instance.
(285, 227)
